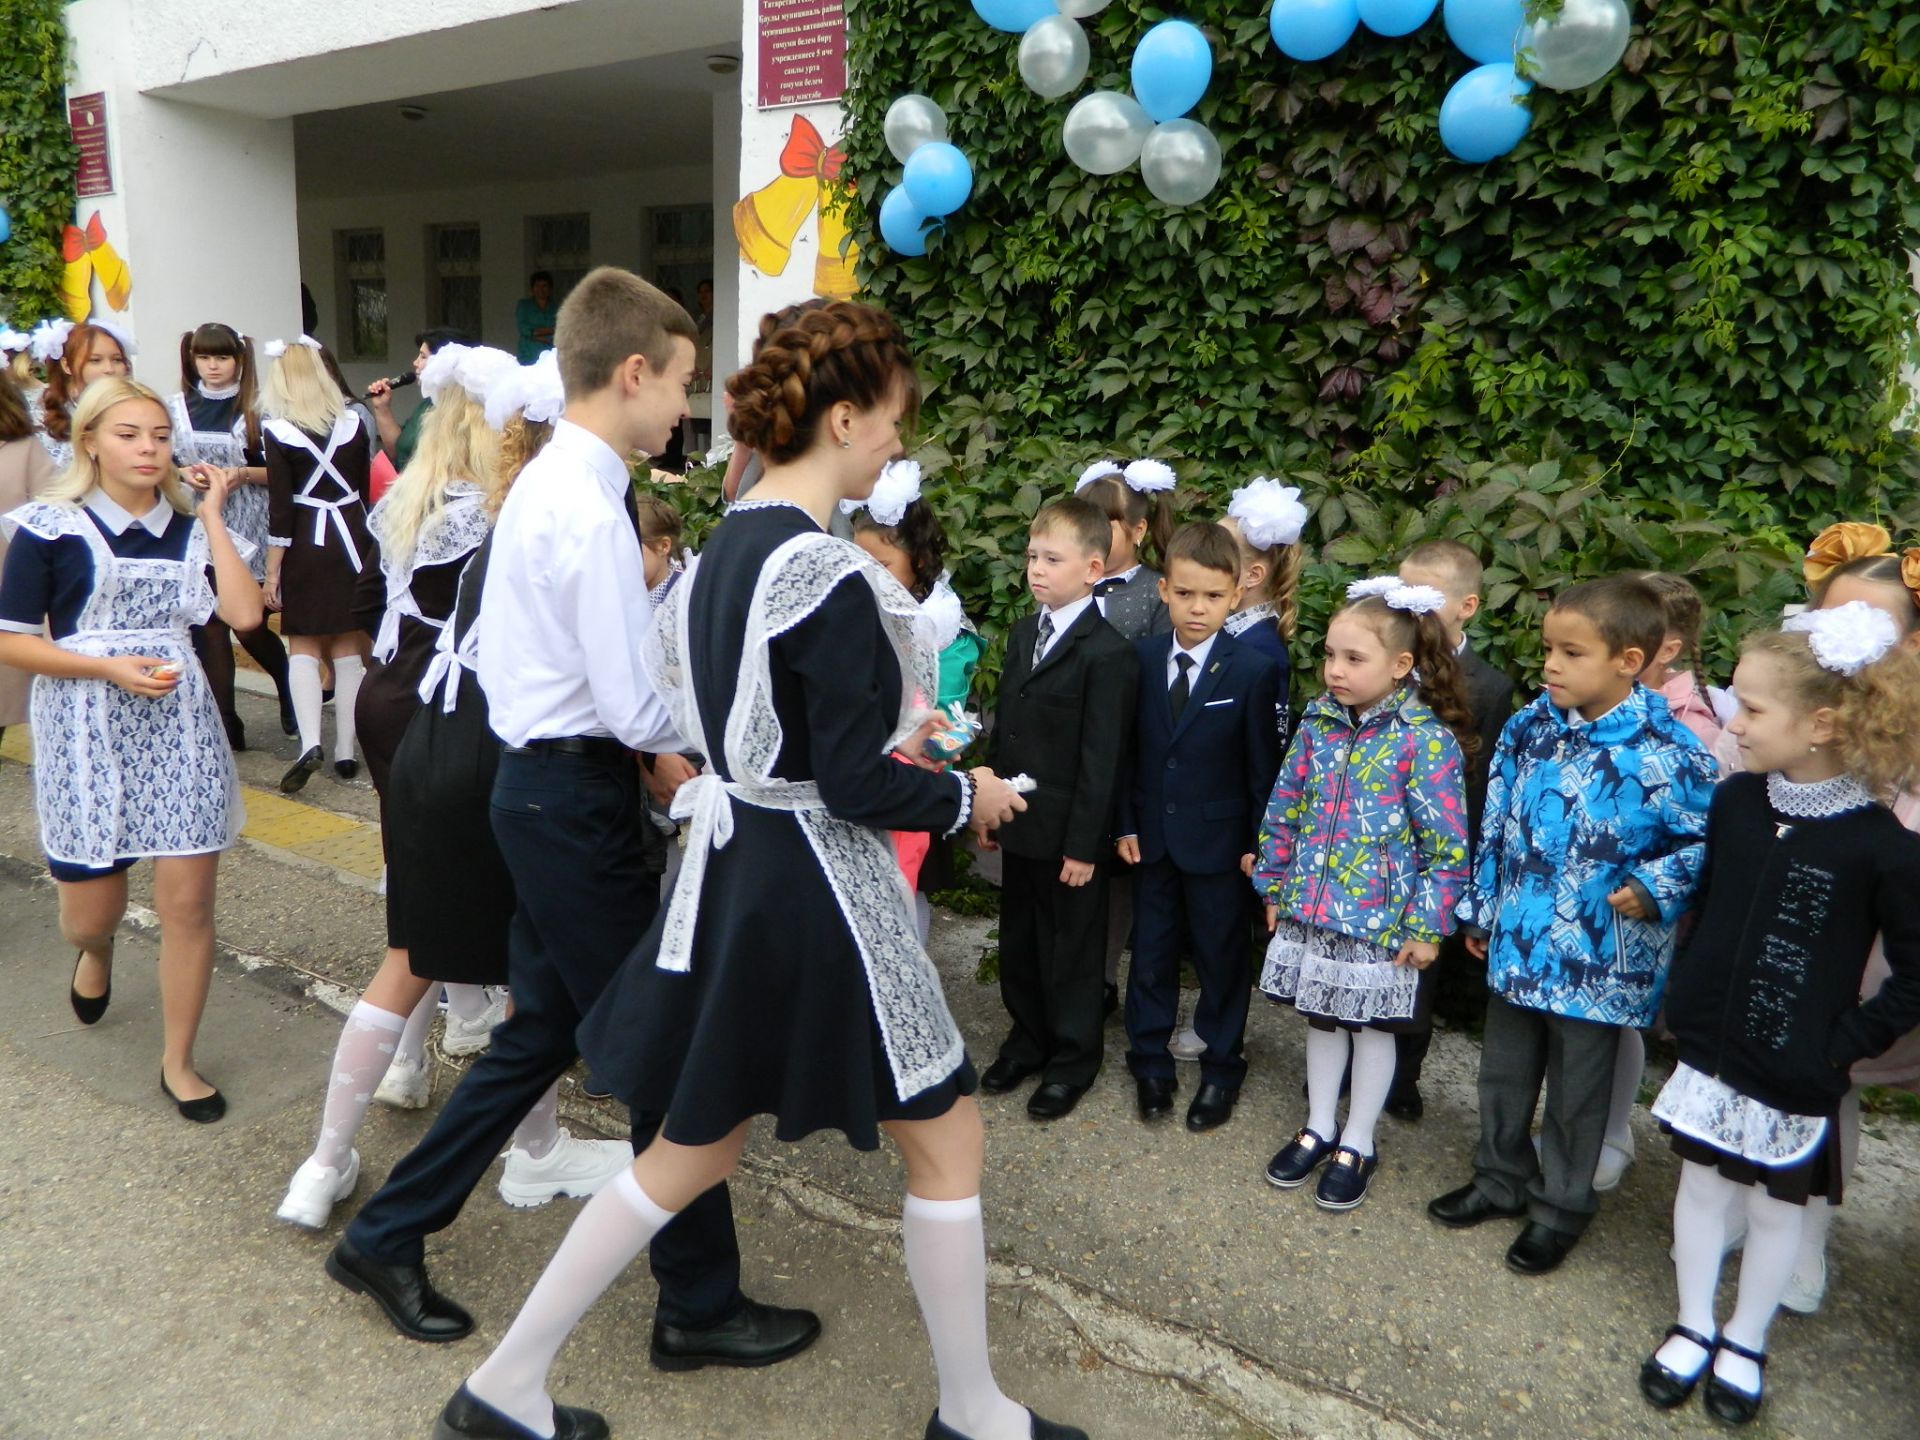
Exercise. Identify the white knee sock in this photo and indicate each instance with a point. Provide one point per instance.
(1374, 1057)
(303, 682)
(614, 1226)
(1700, 1210)
(1327, 1052)
(367, 1043)
(947, 1262)
(1629, 1065)
(922, 916)
(1773, 1244)
(413, 1040)
(466, 1002)
(348, 672)
(539, 1132)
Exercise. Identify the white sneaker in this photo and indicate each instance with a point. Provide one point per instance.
(407, 1085)
(470, 1037)
(573, 1167)
(1186, 1044)
(1805, 1292)
(315, 1190)
(1613, 1164)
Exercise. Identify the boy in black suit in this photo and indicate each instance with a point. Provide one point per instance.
(1064, 712)
(1205, 755)
(1456, 572)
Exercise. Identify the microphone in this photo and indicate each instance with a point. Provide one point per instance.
(395, 382)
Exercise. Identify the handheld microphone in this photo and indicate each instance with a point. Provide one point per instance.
(396, 382)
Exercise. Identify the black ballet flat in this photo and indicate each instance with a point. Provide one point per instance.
(1729, 1402)
(346, 769)
(1669, 1388)
(204, 1111)
(301, 771)
(88, 1007)
(1038, 1429)
(236, 733)
(289, 723)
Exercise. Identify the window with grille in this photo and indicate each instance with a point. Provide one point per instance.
(562, 245)
(453, 256)
(361, 263)
(681, 253)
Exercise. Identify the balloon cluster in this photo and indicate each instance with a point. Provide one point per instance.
(937, 180)
(1107, 131)
(1484, 115)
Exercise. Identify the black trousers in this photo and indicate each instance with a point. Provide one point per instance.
(1053, 941)
(568, 829)
(1205, 915)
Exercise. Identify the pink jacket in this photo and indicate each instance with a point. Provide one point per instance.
(1690, 707)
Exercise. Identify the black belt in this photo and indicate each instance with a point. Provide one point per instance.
(593, 747)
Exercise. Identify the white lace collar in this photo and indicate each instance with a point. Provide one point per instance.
(119, 520)
(1816, 799)
(740, 507)
(225, 392)
(1242, 621)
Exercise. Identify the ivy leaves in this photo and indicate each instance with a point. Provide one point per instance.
(37, 157)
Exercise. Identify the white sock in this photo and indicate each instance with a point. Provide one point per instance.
(466, 1003)
(1700, 1210)
(303, 682)
(1327, 1052)
(1629, 1065)
(1773, 1244)
(1374, 1057)
(539, 1132)
(946, 1249)
(413, 1041)
(614, 1226)
(922, 916)
(348, 672)
(367, 1043)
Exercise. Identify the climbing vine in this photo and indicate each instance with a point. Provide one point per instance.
(37, 156)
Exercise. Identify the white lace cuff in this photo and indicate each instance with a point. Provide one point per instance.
(966, 804)
(280, 542)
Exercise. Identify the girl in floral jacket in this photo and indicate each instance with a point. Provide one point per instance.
(1362, 857)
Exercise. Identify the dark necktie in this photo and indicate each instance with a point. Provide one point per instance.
(1177, 696)
(1046, 638)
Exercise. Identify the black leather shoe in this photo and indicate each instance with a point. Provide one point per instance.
(1004, 1075)
(1668, 1388)
(1539, 1249)
(346, 769)
(404, 1294)
(753, 1335)
(1212, 1107)
(1729, 1402)
(1154, 1094)
(204, 1111)
(1054, 1101)
(1468, 1206)
(1407, 1104)
(468, 1417)
(938, 1429)
(88, 1008)
(301, 771)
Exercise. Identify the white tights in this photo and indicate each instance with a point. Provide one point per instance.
(1374, 1058)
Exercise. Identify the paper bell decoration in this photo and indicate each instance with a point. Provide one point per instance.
(88, 254)
(765, 222)
(833, 266)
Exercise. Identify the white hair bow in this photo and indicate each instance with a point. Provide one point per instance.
(896, 489)
(1398, 595)
(49, 340)
(1098, 470)
(1847, 638)
(1149, 477)
(274, 349)
(1268, 513)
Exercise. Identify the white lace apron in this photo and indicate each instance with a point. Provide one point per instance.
(454, 530)
(922, 1042)
(1714, 1113)
(325, 507)
(245, 510)
(116, 774)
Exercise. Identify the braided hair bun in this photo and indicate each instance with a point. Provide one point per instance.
(808, 359)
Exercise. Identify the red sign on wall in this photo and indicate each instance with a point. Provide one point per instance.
(87, 114)
(803, 51)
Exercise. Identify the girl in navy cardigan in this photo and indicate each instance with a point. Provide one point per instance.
(1804, 865)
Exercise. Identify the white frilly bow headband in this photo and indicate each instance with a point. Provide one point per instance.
(533, 392)
(1268, 513)
(896, 489)
(1147, 477)
(1847, 638)
(48, 340)
(1398, 595)
(274, 349)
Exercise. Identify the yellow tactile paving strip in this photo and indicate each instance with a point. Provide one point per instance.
(337, 841)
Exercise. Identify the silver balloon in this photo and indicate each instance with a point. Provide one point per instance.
(1104, 132)
(1081, 9)
(913, 121)
(1180, 162)
(1054, 56)
(1579, 45)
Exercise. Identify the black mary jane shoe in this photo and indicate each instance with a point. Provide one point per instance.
(301, 771)
(204, 1111)
(1212, 1107)
(1038, 1429)
(89, 1008)
(1730, 1403)
(1669, 1388)
(754, 1335)
(1153, 1094)
(468, 1417)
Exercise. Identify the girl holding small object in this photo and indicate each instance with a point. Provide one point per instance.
(130, 758)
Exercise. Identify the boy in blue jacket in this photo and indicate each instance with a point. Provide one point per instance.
(1591, 847)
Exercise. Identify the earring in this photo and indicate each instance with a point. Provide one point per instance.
(846, 444)
(1813, 749)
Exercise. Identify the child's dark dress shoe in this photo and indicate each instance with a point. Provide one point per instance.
(1539, 1249)
(468, 1417)
(1669, 1388)
(1468, 1206)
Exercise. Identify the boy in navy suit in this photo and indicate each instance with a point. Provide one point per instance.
(1205, 757)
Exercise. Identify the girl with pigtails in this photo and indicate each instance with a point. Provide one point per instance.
(1361, 859)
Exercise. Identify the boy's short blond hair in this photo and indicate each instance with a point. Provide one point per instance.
(613, 314)
(1456, 567)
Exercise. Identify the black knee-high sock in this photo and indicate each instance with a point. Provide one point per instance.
(269, 652)
(213, 643)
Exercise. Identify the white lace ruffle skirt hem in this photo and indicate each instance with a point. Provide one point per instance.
(1336, 976)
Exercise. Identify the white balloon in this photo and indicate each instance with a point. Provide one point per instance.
(1180, 162)
(913, 121)
(1104, 132)
(1579, 45)
(1081, 9)
(1054, 56)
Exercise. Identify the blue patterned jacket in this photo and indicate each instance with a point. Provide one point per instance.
(1574, 812)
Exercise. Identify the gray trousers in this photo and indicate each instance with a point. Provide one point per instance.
(1575, 1059)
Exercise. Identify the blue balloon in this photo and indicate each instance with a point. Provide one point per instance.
(1171, 67)
(938, 178)
(1313, 29)
(1396, 17)
(1482, 117)
(1488, 30)
(902, 226)
(6, 225)
(1014, 16)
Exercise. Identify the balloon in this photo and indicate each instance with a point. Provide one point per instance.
(1104, 132)
(1580, 44)
(913, 121)
(1396, 17)
(902, 226)
(1053, 56)
(938, 179)
(1180, 161)
(1013, 16)
(1171, 67)
(1081, 9)
(1482, 117)
(6, 225)
(1488, 30)
(1313, 29)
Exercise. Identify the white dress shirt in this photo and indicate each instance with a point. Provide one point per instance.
(1062, 619)
(565, 605)
(1198, 655)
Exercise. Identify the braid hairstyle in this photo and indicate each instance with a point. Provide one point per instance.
(1440, 682)
(1876, 711)
(807, 362)
(919, 537)
(1686, 615)
(1120, 502)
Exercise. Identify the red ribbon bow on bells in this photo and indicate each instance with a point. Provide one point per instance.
(807, 156)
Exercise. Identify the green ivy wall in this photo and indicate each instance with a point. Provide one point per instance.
(37, 156)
